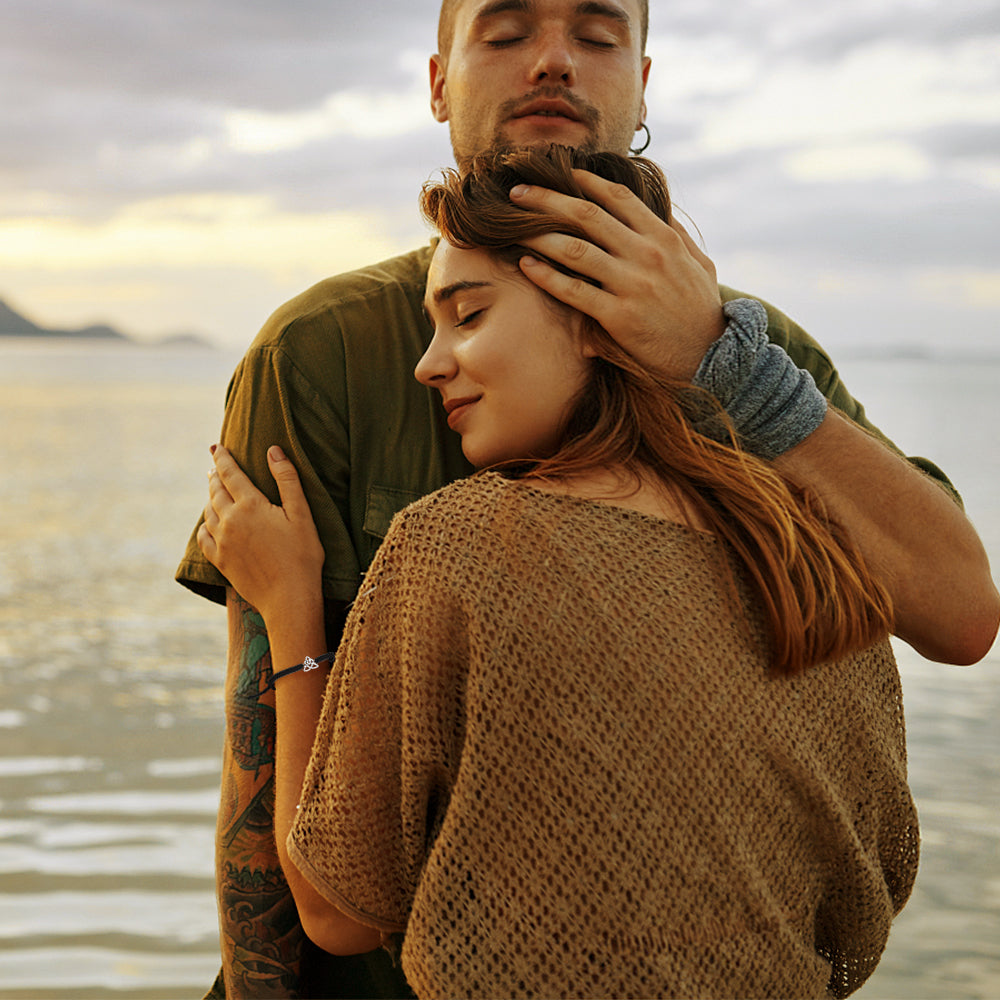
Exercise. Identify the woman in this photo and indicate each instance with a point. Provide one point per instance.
(618, 717)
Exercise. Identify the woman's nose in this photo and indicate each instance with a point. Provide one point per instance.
(436, 366)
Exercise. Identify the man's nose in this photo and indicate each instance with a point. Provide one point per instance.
(553, 59)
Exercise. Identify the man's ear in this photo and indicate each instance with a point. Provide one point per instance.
(439, 99)
(646, 63)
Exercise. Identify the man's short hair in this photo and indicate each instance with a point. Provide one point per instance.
(446, 25)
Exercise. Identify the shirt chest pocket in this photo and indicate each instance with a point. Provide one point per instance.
(382, 504)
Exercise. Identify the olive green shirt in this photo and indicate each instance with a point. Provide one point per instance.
(330, 379)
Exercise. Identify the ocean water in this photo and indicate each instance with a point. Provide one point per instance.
(111, 680)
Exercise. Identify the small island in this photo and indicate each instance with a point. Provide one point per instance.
(15, 324)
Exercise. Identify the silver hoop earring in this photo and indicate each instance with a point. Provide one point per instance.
(642, 149)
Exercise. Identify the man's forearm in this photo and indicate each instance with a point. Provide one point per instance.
(261, 936)
(912, 534)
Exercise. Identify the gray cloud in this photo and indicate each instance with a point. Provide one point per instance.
(961, 142)
(827, 32)
(257, 54)
(105, 103)
(114, 102)
(103, 97)
(745, 205)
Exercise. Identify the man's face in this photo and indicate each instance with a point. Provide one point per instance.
(535, 72)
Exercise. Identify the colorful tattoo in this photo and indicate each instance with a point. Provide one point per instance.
(262, 939)
(265, 953)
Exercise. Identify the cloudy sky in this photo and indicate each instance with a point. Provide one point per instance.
(186, 165)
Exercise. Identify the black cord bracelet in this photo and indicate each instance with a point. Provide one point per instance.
(305, 666)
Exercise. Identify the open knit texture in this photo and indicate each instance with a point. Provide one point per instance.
(552, 754)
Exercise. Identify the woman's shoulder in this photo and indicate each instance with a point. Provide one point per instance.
(481, 516)
(463, 508)
(490, 498)
(451, 538)
(489, 517)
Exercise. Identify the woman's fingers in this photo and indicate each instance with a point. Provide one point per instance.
(286, 477)
(219, 498)
(268, 552)
(231, 477)
(221, 503)
(206, 541)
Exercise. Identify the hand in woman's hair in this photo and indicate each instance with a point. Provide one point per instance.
(656, 292)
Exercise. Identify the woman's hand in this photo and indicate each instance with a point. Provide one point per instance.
(272, 556)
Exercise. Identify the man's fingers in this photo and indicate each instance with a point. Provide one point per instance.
(620, 202)
(610, 216)
(574, 292)
(692, 247)
(575, 253)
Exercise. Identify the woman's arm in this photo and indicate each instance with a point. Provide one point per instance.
(273, 558)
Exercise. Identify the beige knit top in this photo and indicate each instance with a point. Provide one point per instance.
(552, 754)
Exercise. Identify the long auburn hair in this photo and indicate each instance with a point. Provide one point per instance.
(820, 600)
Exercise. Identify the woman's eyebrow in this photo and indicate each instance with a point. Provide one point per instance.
(445, 292)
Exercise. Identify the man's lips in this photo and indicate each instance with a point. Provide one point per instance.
(547, 109)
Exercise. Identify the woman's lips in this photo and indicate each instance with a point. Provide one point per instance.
(457, 408)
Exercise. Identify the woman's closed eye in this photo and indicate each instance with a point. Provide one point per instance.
(469, 318)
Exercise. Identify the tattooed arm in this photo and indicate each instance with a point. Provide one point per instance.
(262, 940)
(265, 953)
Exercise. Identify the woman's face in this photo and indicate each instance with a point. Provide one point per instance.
(507, 359)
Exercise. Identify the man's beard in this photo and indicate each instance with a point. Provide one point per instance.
(588, 144)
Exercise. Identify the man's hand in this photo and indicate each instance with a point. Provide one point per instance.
(658, 295)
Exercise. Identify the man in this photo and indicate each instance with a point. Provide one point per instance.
(329, 379)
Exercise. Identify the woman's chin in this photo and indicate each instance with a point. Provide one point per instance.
(480, 459)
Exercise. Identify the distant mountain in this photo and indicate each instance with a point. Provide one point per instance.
(13, 324)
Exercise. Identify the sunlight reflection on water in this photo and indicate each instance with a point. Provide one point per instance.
(111, 724)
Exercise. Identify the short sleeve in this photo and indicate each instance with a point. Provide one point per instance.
(329, 378)
(272, 399)
(388, 739)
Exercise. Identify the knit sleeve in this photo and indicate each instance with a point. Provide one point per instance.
(807, 353)
(381, 768)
